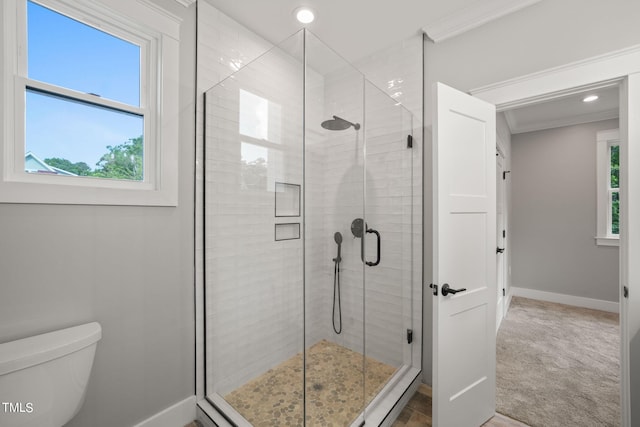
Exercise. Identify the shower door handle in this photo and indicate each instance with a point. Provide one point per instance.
(369, 263)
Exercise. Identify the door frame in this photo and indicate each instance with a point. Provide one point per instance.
(501, 191)
(616, 68)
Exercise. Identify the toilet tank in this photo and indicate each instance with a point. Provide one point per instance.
(43, 378)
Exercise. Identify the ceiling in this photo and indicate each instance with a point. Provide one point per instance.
(566, 111)
(357, 28)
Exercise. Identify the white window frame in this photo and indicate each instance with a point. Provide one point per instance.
(604, 141)
(142, 23)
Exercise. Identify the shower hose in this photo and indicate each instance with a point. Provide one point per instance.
(336, 292)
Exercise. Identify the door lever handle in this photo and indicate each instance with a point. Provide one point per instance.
(446, 290)
(499, 250)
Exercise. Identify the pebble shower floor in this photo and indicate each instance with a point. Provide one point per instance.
(334, 389)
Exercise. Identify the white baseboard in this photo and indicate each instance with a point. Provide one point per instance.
(509, 298)
(177, 415)
(595, 304)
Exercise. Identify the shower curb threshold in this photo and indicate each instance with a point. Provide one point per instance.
(387, 405)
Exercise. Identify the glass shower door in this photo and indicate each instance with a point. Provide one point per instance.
(334, 272)
(389, 241)
(253, 218)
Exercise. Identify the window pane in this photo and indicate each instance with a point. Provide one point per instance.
(65, 137)
(254, 115)
(615, 166)
(67, 53)
(259, 117)
(615, 213)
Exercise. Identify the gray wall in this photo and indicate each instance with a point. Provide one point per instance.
(553, 174)
(545, 35)
(129, 268)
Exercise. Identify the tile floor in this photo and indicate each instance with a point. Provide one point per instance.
(417, 413)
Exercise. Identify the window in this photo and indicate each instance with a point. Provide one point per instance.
(83, 102)
(608, 187)
(94, 84)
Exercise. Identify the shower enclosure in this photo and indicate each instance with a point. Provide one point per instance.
(313, 248)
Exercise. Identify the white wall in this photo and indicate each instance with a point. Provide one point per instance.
(129, 268)
(554, 214)
(547, 34)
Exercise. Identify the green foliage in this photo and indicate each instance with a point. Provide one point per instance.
(615, 166)
(615, 214)
(123, 161)
(79, 168)
(615, 183)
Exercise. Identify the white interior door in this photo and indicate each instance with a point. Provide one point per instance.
(464, 238)
(500, 239)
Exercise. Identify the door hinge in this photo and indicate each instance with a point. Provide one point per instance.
(504, 174)
(504, 233)
(409, 336)
(435, 288)
(409, 141)
(504, 293)
(625, 292)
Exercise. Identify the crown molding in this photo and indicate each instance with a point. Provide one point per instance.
(473, 16)
(562, 122)
(592, 73)
(511, 121)
(186, 3)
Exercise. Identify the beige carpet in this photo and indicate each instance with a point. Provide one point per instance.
(558, 365)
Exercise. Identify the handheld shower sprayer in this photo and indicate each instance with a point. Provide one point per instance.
(338, 238)
(337, 324)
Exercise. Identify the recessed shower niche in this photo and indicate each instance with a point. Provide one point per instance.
(322, 326)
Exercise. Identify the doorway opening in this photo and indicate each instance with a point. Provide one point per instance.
(554, 254)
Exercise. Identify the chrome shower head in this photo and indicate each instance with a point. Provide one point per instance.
(338, 123)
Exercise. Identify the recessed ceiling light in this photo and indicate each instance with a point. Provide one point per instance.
(305, 15)
(590, 98)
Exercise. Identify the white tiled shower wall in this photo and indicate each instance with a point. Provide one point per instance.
(273, 332)
(384, 187)
(254, 283)
(222, 46)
